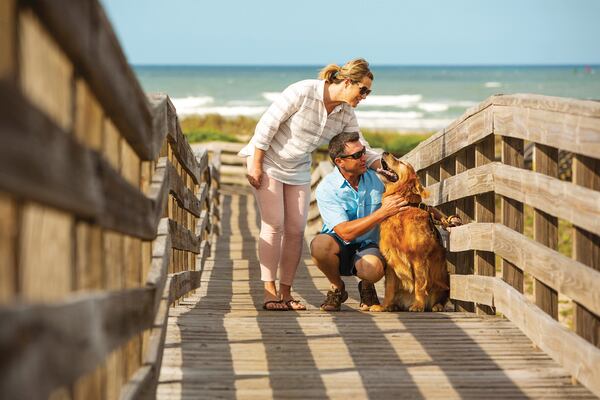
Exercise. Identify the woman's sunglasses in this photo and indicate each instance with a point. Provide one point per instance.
(356, 155)
(364, 91)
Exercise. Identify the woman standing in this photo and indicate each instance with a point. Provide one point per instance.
(305, 116)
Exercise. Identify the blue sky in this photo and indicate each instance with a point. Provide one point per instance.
(396, 32)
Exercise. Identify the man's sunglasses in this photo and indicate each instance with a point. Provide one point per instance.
(356, 155)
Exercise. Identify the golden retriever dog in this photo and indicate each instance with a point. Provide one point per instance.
(416, 278)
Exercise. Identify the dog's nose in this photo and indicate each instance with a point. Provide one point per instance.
(385, 153)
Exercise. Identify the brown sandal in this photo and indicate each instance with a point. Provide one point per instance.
(295, 305)
(266, 303)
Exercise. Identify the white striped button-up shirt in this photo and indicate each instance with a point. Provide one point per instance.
(294, 126)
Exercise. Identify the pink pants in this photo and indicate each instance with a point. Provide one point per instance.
(283, 213)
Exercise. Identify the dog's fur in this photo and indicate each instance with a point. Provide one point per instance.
(416, 278)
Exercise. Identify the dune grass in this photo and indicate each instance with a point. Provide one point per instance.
(214, 127)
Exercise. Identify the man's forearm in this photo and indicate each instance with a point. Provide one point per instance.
(350, 230)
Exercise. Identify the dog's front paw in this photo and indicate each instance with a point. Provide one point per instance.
(416, 308)
(437, 308)
(376, 308)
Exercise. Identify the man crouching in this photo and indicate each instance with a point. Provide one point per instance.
(349, 200)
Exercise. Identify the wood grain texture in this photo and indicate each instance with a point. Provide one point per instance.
(55, 344)
(85, 35)
(8, 39)
(545, 226)
(512, 210)
(44, 69)
(569, 124)
(88, 117)
(45, 254)
(567, 276)
(572, 132)
(578, 356)
(562, 199)
(484, 213)
(9, 224)
(586, 247)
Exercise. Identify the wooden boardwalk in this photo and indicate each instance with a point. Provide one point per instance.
(219, 346)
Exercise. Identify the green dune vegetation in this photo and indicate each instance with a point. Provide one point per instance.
(213, 127)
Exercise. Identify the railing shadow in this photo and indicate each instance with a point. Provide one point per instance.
(375, 342)
(292, 370)
(204, 374)
(399, 355)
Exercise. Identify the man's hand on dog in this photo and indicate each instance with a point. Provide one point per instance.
(393, 204)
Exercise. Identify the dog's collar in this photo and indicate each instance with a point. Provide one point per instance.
(420, 205)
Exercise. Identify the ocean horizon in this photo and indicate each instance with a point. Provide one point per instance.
(405, 98)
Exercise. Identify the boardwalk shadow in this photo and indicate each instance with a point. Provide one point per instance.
(206, 361)
(292, 370)
(322, 355)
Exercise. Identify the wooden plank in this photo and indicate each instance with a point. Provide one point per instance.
(512, 210)
(55, 344)
(545, 226)
(570, 277)
(465, 209)
(87, 37)
(9, 273)
(44, 69)
(80, 182)
(586, 248)
(182, 238)
(588, 108)
(153, 358)
(579, 357)
(485, 212)
(558, 129)
(88, 117)
(184, 154)
(89, 264)
(472, 288)
(8, 40)
(136, 386)
(183, 282)
(432, 175)
(91, 386)
(447, 170)
(564, 200)
(45, 254)
(464, 132)
(184, 195)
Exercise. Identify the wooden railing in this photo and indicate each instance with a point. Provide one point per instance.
(106, 214)
(460, 169)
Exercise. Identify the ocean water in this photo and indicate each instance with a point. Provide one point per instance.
(403, 98)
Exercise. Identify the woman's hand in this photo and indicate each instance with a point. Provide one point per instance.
(254, 176)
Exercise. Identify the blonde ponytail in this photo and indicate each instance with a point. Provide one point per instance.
(329, 73)
(355, 70)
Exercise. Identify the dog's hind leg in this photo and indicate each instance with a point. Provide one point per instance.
(440, 283)
(392, 284)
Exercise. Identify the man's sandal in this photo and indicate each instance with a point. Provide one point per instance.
(266, 306)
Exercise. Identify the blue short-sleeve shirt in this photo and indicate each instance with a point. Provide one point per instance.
(338, 202)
